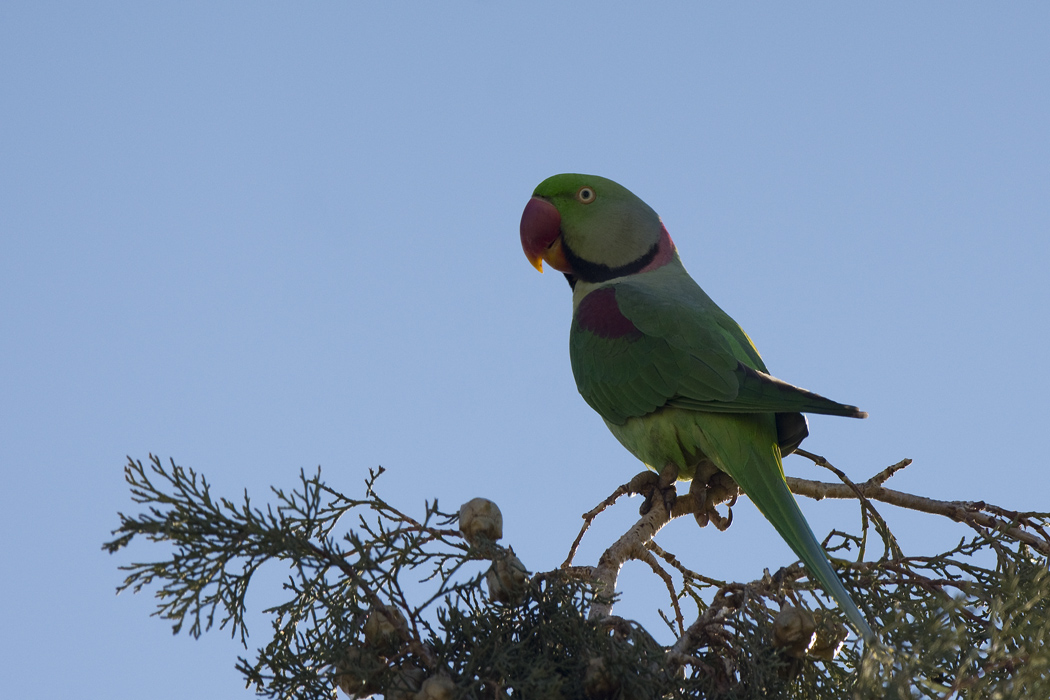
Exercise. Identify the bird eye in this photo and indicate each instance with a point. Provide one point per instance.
(585, 195)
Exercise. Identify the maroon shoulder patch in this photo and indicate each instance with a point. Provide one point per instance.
(600, 314)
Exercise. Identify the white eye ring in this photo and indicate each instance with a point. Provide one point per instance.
(585, 195)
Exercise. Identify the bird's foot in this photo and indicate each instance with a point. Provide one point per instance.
(709, 492)
(652, 485)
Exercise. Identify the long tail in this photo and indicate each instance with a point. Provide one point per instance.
(757, 469)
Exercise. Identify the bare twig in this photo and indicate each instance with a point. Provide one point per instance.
(883, 476)
(868, 509)
(686, 572)
(589, 517)
(698, 632)
(975, 514)
(649, 559)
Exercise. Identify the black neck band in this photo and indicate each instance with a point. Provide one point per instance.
(596, 272)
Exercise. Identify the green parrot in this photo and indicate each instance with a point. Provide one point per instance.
(677, 381)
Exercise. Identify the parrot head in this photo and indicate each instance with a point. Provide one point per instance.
(592, 228)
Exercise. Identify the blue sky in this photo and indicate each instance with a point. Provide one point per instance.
(259, 237)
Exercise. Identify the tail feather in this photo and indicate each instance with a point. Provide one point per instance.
(773, 497)
(761, 476)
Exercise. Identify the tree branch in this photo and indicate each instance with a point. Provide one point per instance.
(630, 546)
(976, 514)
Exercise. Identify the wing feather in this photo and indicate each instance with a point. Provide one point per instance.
(684, 351)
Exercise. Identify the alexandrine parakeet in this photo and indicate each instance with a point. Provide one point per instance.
(677, 381)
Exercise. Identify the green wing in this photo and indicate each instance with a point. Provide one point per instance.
(678, 349)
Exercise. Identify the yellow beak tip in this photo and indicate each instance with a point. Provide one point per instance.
(537, 263)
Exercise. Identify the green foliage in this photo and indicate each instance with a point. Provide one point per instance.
(378, 602)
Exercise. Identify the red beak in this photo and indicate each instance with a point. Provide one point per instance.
(541, 235)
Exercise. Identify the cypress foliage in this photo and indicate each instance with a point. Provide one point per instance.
(378, 602)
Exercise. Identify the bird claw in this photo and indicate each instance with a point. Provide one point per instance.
(722, 523)
(707, 493)
(668, 476)
(650, 485)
